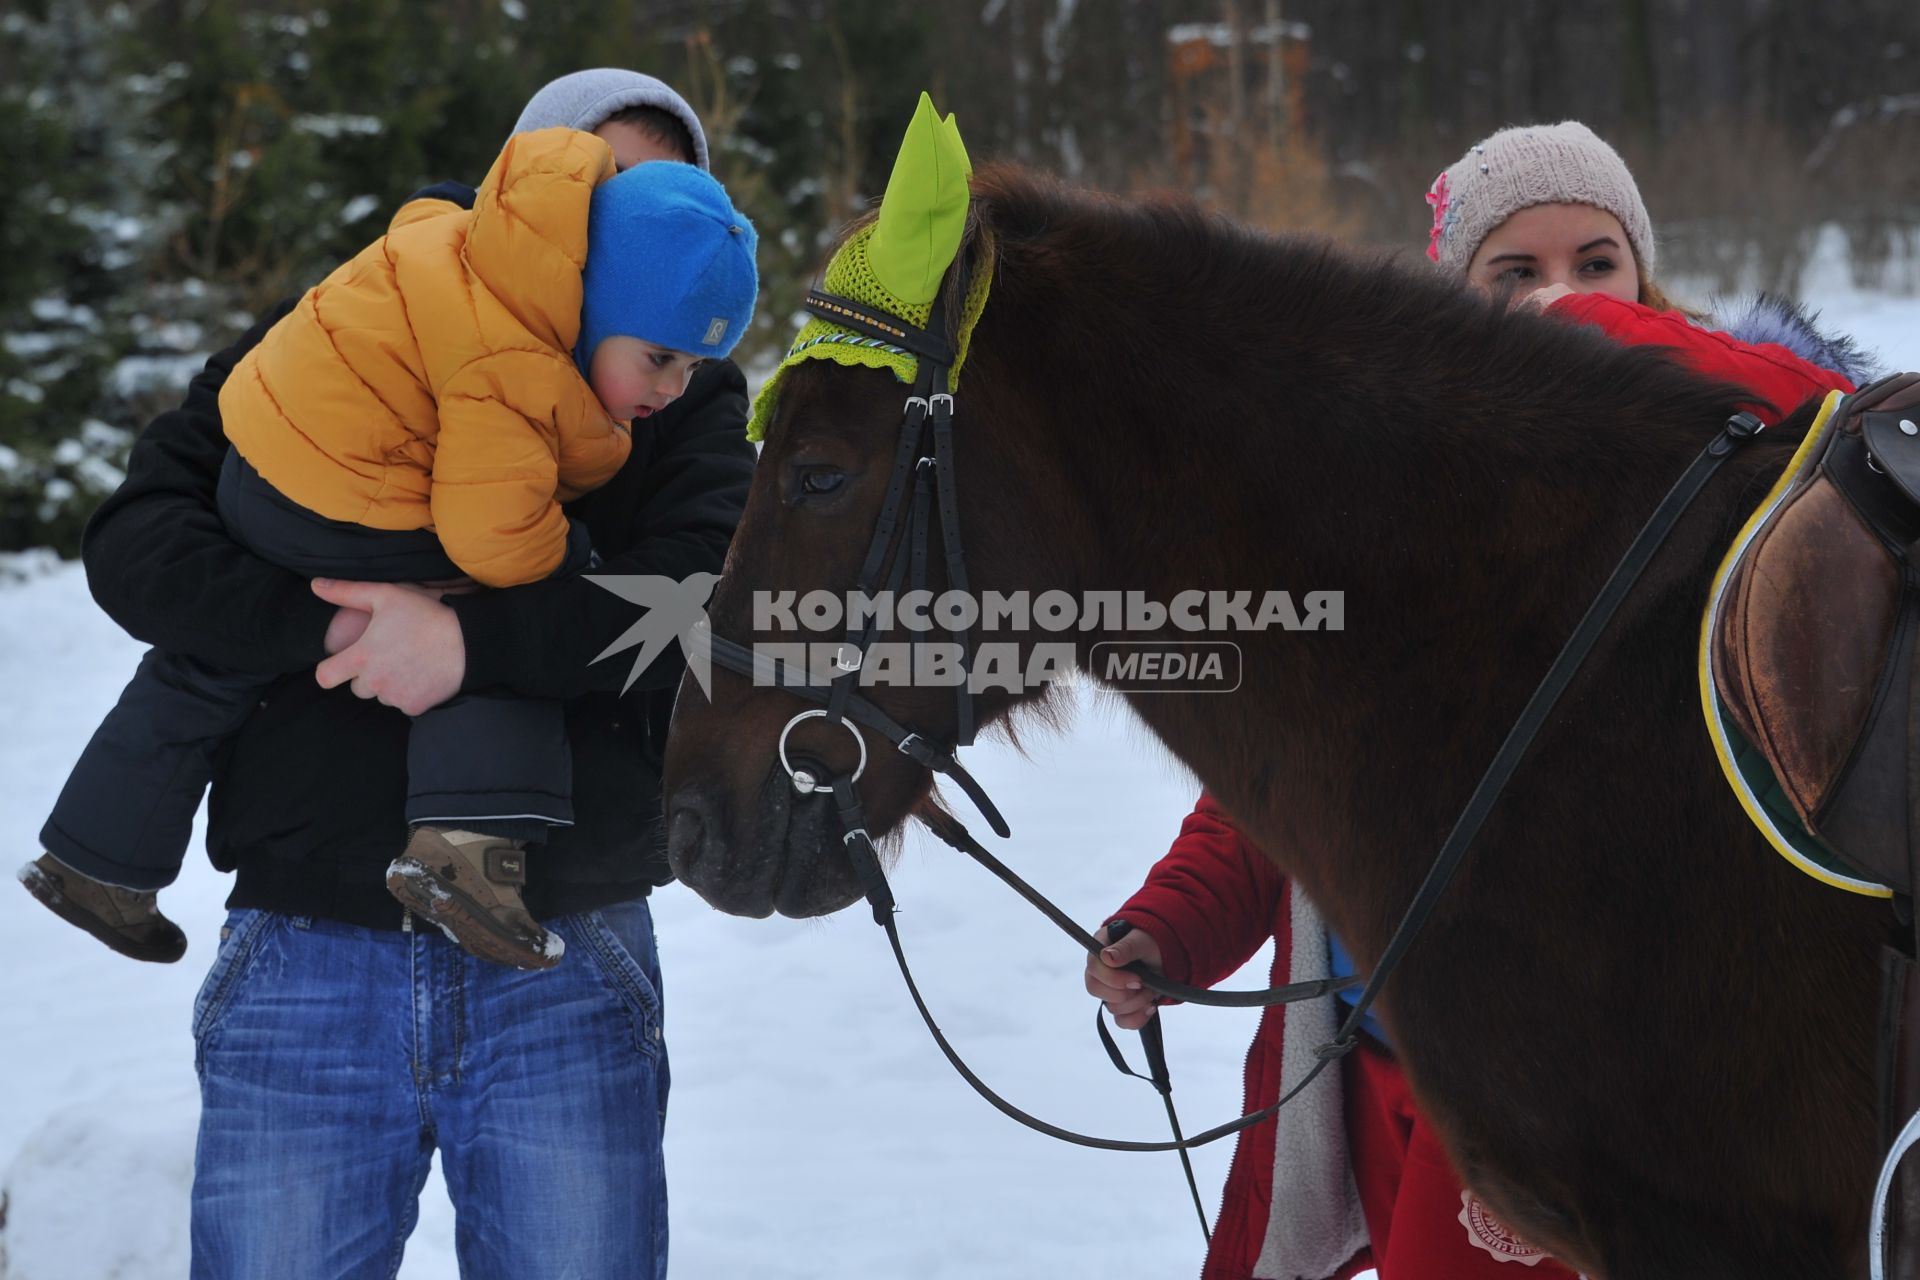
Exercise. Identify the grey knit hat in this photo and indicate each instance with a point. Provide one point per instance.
(585, 100)
(1520, 167)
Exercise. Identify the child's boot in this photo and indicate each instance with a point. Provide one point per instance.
(128, 920)
(469, 884)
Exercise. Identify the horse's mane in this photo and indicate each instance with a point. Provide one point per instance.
(1162, 274)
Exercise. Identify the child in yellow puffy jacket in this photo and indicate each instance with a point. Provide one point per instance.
(421, 415)
(471, 371)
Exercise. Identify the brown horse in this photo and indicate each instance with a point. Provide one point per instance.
(1648, 1041)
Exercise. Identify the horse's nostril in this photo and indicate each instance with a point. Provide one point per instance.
(686, 833)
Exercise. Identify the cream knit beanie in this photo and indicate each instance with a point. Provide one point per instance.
(1524, 166)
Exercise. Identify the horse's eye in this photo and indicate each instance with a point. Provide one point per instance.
(821, 479)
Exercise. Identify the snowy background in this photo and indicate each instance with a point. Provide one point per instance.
(813, 1131)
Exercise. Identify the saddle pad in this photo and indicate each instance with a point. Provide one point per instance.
(1746, 768)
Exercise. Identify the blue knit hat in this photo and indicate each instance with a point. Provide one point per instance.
(669, 261)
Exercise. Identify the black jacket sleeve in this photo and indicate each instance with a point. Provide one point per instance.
(675, 509)
(159, 559)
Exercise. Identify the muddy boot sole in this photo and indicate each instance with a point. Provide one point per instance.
(466, 921)
(163, 950)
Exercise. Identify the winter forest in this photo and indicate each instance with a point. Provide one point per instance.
(177, 165)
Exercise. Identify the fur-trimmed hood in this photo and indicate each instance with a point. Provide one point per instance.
(1763, 317)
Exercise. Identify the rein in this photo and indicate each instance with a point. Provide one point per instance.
(924, 456)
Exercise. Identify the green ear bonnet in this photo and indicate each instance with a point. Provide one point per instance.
(895, 263)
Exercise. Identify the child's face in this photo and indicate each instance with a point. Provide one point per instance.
(1575, 245)
(636, 379)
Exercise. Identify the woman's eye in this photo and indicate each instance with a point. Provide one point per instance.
(818, 480)
(1516, 274)
(1598, 266)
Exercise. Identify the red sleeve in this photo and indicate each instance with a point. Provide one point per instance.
(1778, 380)
(1211, 901)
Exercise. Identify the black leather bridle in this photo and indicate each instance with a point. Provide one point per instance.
(924, 457)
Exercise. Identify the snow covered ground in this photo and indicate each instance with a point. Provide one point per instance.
(814, 1130)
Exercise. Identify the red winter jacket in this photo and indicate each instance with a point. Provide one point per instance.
(1779, 380)
(1210, 904)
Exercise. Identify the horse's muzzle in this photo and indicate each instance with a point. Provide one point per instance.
(784, 854)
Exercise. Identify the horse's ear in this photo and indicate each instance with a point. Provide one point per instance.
(925, 208)
(951, 127)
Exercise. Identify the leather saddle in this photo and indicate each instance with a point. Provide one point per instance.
(1812, 634)
(1810, 643)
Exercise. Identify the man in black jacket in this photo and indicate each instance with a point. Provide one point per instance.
(337, 1046)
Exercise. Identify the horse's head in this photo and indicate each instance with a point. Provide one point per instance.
(740, 831)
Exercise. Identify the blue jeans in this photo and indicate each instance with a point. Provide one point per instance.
(333, 1060)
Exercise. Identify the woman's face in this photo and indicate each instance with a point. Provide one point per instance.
(1575, 245)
